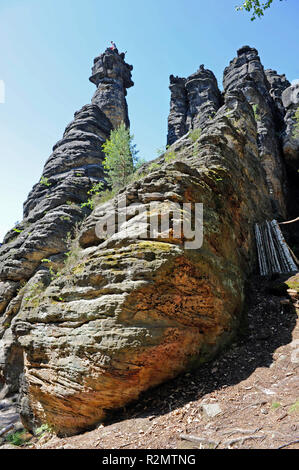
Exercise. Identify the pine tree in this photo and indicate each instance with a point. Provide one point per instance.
(121, 156)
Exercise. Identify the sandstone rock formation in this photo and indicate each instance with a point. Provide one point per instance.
(132, 313)
(278, 83)
(193, 101)
(112, 76)
(290, 99)
(53, 207)
(89, 332)
(196, 99)
(178, 109)
(246, 73)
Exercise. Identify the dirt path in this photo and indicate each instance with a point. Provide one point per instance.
(254, 387)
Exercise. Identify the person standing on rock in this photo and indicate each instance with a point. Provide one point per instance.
(113, 46)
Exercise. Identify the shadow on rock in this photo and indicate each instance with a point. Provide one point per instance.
(267, 325)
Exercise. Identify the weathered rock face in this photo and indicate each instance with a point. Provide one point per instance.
(51, 212)
(130, 310)
(278, 83)
(75, 161)
(193, 101)
(290, 99)
(178, 109)
(112, 76)
(246, 73)
(203, 97)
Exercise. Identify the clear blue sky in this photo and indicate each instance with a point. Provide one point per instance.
(47, 49)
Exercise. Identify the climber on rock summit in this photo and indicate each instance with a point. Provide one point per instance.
(113, 46)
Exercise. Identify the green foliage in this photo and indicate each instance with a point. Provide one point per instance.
(93, 192)
(256, 7)
(33, 292)
(44, 181)
(195, 134)
(275, 405)
(256, 112)
(229, 113)
(89, 203)
(96, 188)
(42, 430)
(73, 253)
(52, 272)
(21, 287)
(106, 196)
(139, 163)
(121, 157)
(136, 176)
(295, 133)
(154, 166)
(195, 149)
(169, 155)
(17, 231)
(103, 196)
(214, 174)
(16, 438)
(294, 408)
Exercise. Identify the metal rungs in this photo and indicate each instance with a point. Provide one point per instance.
(273, 252)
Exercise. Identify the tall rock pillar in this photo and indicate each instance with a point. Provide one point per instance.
(56, 205)
(246, 73)
(178, 109)
(290, 99)
(194, 100)
(112, 76)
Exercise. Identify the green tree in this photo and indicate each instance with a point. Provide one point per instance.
(121, 157)
(256, 7)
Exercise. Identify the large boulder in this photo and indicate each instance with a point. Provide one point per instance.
(136, 310)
